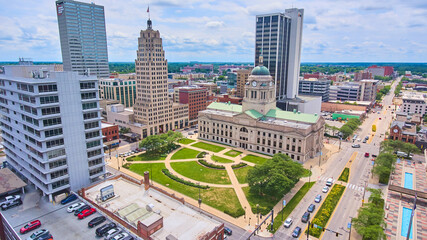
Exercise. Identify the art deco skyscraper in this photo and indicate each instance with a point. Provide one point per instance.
(278, 39)
(153, 108)
(83, 37)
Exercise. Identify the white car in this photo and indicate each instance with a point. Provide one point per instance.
(11, 198)
(111, 233)
(325, 189)
(288, 222)
(75, 206)
(120, 236)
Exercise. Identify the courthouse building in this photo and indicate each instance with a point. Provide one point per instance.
(257, 125)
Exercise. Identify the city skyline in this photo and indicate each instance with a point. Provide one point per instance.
(220, 31)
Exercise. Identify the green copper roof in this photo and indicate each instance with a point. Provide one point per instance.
(260, 70)
(293, 116)
(254, 113)
(226, 107)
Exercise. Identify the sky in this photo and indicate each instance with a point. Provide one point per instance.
(224, 30)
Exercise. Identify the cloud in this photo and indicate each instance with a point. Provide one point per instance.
(214, 24)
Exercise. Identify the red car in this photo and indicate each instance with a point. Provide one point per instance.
(366, 154)
(86, 213)
(30, 226)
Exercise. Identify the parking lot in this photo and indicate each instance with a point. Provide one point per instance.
(55, 218)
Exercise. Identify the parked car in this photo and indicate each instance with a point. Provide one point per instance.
(38, 234)
(311, 208)
(379, 118)
(81, 209)
(196, 131)
(47, 236)
(11, 198)
(296, 232)
(69, 199)
(325, 189)
(75, 206)
(96, 221)
(131, 238)
(305, 217)
(104, 228)
(318, 198)
(288, 222)
(120, 236)
(228, 231)
(30, 226)
(367, 138)
(190, 133)
(366, 154)
(364, 140)
(329, 182)
(11, 204)
(374, 155)
(111, 233)
(355, 146)
(86, 213)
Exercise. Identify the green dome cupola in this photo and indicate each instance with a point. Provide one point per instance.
(260, 70)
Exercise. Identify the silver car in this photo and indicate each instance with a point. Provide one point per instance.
(288, 222)
(38, 234)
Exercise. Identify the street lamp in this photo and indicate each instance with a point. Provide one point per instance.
(257, 216)
(200, 199)
(309, 175)
(245, 212)
(340, 135)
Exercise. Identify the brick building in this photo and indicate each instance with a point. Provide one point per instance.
(195, 97)
(403, 131)
(110, 134)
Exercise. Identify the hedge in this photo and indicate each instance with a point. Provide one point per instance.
(325, 211)
(201, 155)
(210, 165)
(188, 183)
(238, 213)
(239, 165)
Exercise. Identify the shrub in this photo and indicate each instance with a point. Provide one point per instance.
(188, 183)
(239, 165)
(210, 165)
(236, 214)
(201, 155)
(344, 175)
(126, 165)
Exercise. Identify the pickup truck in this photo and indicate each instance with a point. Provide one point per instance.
(10, 198)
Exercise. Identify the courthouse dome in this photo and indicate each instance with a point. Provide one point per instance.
(260, 70)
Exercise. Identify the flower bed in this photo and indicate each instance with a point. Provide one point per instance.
(201, 155)
(188, 183)
(325, 211)
(210, 165)
(344, 175)
(239, 165)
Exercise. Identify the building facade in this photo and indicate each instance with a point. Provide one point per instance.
(345, 92)
(381, 71)
(403, 131)
(241, 78)
(257, 125)
(51, 127)
(368, 90)
(83, 37)
(153, 108)
(413, 103)
(315, 88)
(278, 39)
(362, 75)
(110, 134)
(195, 97)
(121, 90)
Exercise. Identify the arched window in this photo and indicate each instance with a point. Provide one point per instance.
(243, 129)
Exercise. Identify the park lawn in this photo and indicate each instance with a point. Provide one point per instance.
(147, 157)
(213, 197)
(233, 153)
(254, 159)
(208, 147)
(286, 211)
(186, 141)
(201, 173)
(185, 153)
(265, 203)
(241, 174)
(221, 159)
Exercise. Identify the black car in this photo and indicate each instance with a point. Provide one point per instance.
(46, 236)
(311, 208)
(104, 228)
(78, 211)
(305, 217)
(228, 231)
(128, 238)
(96, 221)
(11, 204)
(296, 232)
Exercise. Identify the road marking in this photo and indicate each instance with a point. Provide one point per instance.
(353, 187)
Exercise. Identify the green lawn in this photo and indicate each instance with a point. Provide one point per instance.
(241, 174)
(147, 157)
(208, 147)
(265, 203)
(201, 173)
(254, 159)
(185, 153)
(285, 212)
(344, 175)
(186, 141)
(213, 197)
(233, 153)
(221, 159)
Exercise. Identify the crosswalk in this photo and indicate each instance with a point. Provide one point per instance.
(350, 186)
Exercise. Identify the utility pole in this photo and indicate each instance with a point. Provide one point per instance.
(412, 216)
(308, 230)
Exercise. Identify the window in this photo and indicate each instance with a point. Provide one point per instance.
(48, 88)
(49, 99)
(92, 134)
(95, 162)
(94, 153)
(90, 115)
(93, 144)
(89, 95)
(58, 163)
(96, 171)
(90, 105)
(51, 122)
(54, 143)
(56, 153)
(59, 173)
(91, 125)
(60, 183)
(87, 85)
(50, 111)
(53, 132)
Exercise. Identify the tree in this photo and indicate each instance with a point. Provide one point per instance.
(275, 177)
(124, 130)
(409, 148)
(161, 143)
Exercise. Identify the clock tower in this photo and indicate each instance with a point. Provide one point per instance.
(259, 91)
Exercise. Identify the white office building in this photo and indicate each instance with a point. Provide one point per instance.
(414, 103)
(51, 127)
